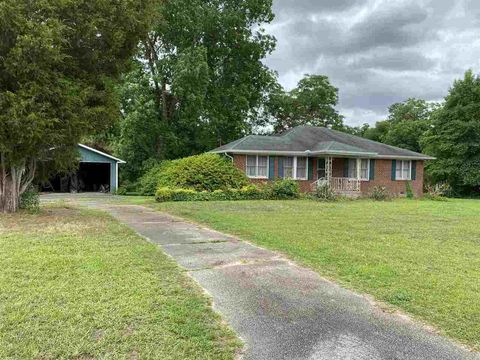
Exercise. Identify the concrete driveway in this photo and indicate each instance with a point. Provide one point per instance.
(281, 310)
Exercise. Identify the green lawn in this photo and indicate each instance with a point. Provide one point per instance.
(77, 285)
(421, 256)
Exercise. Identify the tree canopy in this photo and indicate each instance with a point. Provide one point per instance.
(203, 82)
(59, 60)
(406, 123)
(312, 102)
(454, 138)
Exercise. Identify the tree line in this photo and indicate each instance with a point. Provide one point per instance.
(160, 79)
(449, 131)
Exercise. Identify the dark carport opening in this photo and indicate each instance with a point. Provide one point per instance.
(93, 177)
(90, 177)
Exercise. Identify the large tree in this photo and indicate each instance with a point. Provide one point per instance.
(454, 138)
(206, 79)
(312, 102)
(406, 123)
(58, 63)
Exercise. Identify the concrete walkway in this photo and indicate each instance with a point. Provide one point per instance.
(283, 311)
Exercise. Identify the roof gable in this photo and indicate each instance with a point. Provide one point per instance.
(93, 155)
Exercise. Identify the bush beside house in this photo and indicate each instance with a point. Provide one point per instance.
(205, 172)
(279, 189)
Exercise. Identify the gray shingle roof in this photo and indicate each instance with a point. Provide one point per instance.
(316, 141)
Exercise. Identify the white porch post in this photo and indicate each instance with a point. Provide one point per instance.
(328, 168)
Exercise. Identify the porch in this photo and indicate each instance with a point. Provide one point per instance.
(343, 175)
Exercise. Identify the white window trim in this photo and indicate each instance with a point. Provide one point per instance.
(256, 167)
(359, 169)
(294, 170)
(408, 178)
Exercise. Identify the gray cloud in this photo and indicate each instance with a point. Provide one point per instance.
(397, 25)
(377, 52)
(392, 59)
(290, 8)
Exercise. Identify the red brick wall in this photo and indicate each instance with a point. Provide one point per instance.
(383, 173)
(383, 177)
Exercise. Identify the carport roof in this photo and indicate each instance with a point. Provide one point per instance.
(120, 161)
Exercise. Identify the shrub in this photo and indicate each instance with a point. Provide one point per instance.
(409, 190)
(148, 183)
(283, 189)
(250, 192)
(206, 172)
(438, 191)
(186, 195)
(164, 194)
(253, 192)
(30, 200)
(380, 193)
(324, 192)
(121, 190)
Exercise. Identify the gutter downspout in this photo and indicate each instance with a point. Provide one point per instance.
(231, 157)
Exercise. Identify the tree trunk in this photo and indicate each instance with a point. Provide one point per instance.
(10, 198)
(14, 180)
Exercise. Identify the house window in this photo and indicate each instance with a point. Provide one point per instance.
(295, 168)
(321, 170)
(364, 169)
(257, 166)
(262, 162)
(404, 170)
(359, 169)
(352, 168)
(288, 168)
(301, 167)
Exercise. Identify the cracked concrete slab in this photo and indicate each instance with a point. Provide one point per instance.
(281, 310)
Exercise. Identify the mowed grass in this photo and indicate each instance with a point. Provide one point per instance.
(420, 256)
(76, 284)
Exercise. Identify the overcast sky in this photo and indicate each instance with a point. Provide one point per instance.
(377, 52)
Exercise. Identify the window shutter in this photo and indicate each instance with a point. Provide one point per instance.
(414, 170)
(345, 167)
(310, 168)
(271, 167)
(372, 170)
(280, 167)
(394, 169)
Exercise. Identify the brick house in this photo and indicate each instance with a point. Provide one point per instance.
(313, 155)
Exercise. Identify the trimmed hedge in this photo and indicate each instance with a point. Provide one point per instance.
(280, 189)
(206, 172)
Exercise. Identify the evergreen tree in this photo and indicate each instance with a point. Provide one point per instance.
(59, 61)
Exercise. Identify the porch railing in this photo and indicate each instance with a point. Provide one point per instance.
(340, 184)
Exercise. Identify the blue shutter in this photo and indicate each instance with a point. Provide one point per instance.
(372, 170)
(280, 167)
(310, 168)
(394, 169)
(345, 167)
(271, 167)
(414, 169)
